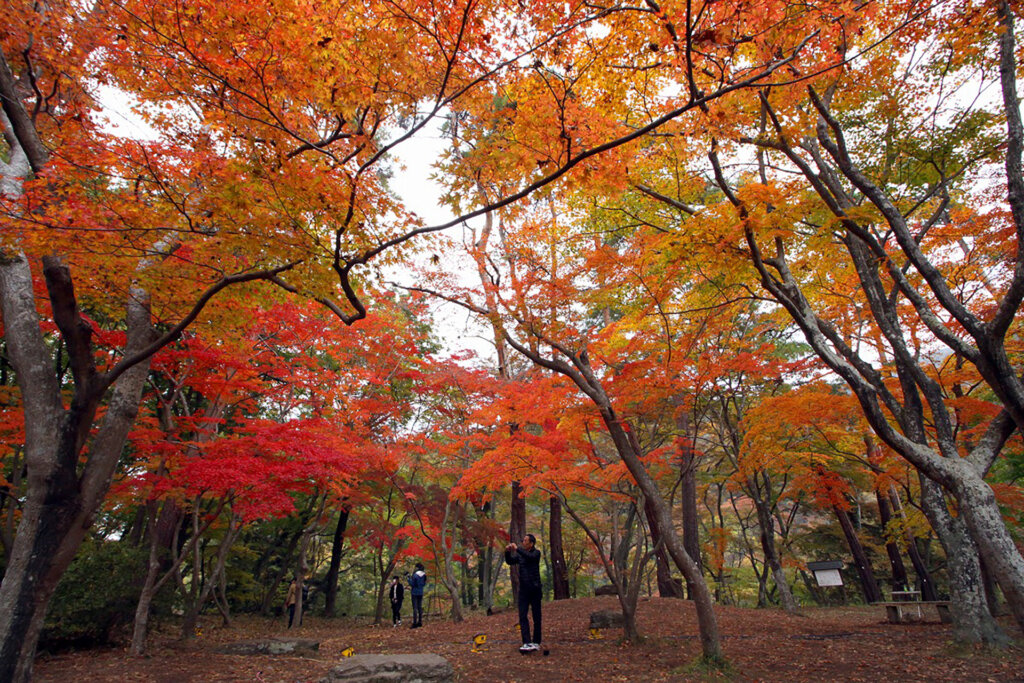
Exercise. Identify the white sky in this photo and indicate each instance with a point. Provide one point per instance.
(457, 329)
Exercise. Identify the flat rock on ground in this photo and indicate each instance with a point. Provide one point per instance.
(270, 646)
(398, 668)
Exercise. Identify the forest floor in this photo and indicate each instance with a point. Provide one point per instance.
(820, 644)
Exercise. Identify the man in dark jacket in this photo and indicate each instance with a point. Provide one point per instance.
(416, 583)
(526, 558)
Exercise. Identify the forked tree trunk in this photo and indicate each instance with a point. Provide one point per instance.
(162, 534)
(706, 619)
(766, 523)
(60, 502)
(972, 621)
(207, 581)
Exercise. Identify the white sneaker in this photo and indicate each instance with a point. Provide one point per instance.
(533, 647)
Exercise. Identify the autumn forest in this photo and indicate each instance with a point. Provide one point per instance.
(744, 281)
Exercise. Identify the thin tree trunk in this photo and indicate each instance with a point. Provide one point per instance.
(667, 586)
(766, 522)
(860, 558)
(559, 572)
(287, 561)
(688, 497)
(331, 588)
(301, 568)
(899, 570)
(706, 620)
(516, 529)
(924, 577)
(207, 584)
(162, 535)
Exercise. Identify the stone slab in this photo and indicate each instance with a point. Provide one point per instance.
(397, 668)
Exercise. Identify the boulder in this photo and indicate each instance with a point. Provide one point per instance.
(271, 646)
(606, 618)
(405, 668)
(607, 589)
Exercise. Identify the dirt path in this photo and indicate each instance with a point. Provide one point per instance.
(835, 644)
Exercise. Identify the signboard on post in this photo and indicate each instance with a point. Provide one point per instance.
(827, 573)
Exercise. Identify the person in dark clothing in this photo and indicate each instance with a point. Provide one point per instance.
(526, 558)
(397, 595)
(416, 583)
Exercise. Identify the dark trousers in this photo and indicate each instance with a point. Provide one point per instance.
(529, 598)
(417, 609)
(291, 615)
(396, 612)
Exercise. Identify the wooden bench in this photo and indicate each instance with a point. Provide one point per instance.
(909, 611)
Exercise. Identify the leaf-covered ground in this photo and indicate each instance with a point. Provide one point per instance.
(848, 644)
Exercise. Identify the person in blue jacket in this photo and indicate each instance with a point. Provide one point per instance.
(416, 583)
(526, 558)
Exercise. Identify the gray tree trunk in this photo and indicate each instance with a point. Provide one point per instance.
(61, 502)
(972, 621)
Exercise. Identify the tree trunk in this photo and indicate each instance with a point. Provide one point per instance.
(924, 577)
(382, 590)
(310, 530)
(860, 558)
(899, 570)
(449, 525)
(667, 586)
(991, 589)
(972, 621)
(559, 572)
(583, 376)
(287, 559)
(688, 497)
(622, 541)
(516, 530)
(60, 502)
(627, 603)
(706, 620)
(207, 582)
(985, 523)
(771, 553)
(813, 588)
(331, 588)
(162, 533)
